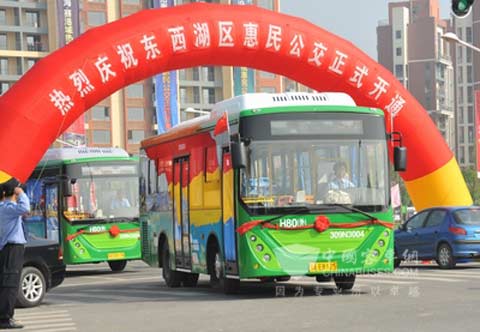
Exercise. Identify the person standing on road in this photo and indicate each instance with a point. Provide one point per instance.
(14, 204)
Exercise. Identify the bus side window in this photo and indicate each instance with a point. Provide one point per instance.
(51, 203)
(152, 177)
(152, 186)
(164, 202)
(35, 220)
(143, 179)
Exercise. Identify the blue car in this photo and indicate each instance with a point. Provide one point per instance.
(446, 234)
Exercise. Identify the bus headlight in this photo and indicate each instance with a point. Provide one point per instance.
(259, 247)
(253, 238)
(267, 258)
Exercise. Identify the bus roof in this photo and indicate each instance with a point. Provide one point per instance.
(250, 101)
(64, 154)
(268, 100)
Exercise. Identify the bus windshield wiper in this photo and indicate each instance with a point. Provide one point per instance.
(353, 209)
(117, 219)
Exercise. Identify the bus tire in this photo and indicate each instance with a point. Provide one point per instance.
(231, 286)
(397, 259)
(344, 281)
(323, 278)
(172, 278)
(117, 266)
(190, 279)
(217, 273)
(282, 279)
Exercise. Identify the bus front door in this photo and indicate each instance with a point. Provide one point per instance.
(181, 215)
(228, 213)
(51, 211)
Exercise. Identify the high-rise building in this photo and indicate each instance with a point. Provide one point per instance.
(30, 30)
(467, 72)
(201, 87)
(409, 44)
(25, 37)
(265, 81)
(127, 116)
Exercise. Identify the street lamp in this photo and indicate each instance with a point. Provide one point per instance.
(192, 110)
(452, 37)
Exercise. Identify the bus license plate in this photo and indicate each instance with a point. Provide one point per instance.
(116, 255)
(322, 267)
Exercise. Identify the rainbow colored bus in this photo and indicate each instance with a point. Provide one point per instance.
(87, 199)
(257, 202)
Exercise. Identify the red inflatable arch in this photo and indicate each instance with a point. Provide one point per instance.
(63, 85)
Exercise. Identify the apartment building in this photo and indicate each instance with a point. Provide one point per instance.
(467, 81)
(409, 44)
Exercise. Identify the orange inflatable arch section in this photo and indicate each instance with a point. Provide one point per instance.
(63, 85)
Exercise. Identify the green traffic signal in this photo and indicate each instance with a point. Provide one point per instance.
(461, 8)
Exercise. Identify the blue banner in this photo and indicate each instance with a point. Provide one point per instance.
(243, 80)
(166, 101)
(166, 90)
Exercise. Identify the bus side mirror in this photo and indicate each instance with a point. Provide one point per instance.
(400, 158)
(66, 184)
(239, 154)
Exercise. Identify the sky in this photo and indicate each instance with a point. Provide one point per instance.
(354, 20)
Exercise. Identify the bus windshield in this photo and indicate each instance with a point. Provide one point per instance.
(103, 197)
(317, 172)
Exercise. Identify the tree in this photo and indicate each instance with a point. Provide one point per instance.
(395, 178)
(473, 183)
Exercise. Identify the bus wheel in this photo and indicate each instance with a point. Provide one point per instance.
(215, 267)
(231, 286)
(282, 279)
(323, 278)
(217, 275)
(190, 279)
(172, 278)
(117, 266)
(397, 262)
(345, 281)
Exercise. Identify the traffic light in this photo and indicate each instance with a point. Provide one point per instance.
(461, 8)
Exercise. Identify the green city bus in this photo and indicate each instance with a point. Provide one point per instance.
(87, 199)
(256, 199)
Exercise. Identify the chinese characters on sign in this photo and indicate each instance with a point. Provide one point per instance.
(198, 35)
